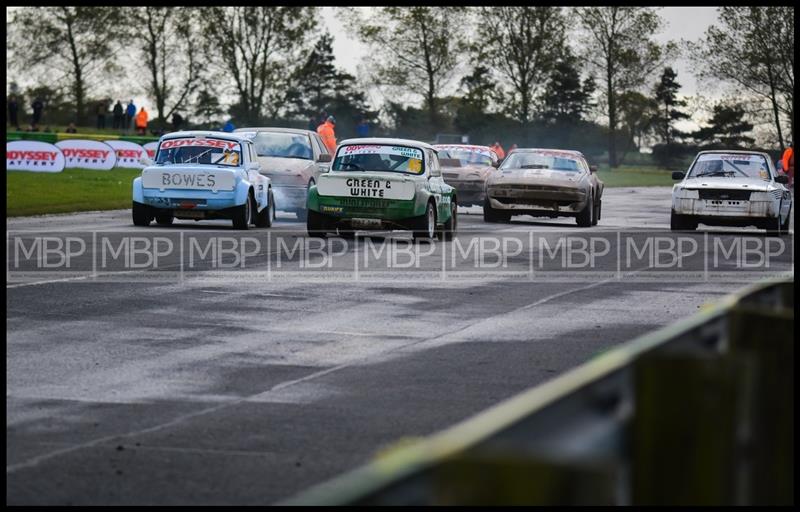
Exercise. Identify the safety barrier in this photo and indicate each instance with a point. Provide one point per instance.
(52, 138)
(700, 413)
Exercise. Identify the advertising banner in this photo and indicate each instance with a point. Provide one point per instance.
(128, 154)
(31, 155)
(87, 154)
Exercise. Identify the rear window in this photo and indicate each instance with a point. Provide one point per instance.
(195, 150)
(379, 157)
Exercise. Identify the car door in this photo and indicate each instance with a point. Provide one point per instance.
(436, 184)
(319, 149)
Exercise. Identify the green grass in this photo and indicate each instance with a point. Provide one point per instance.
(635, 176)
(73, 190)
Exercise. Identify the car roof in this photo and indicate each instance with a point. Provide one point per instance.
(734, 151)
(531, 150)
(278, 129)
(487, 148)
(205, 133)
(381, 140)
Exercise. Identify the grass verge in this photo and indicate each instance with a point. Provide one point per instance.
(635, 176)
(72, 190)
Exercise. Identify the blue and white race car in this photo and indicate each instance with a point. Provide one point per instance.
(204, 175)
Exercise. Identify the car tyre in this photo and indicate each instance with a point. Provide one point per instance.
(785, 225)
(242, 214)
(449, 228)
(164, 218)
(679, 222)
(584, 217)
(597, 208)
(425, 225)
(492, 214)
(142, 214)
(265, 217)
(774, 226)
(316, 224)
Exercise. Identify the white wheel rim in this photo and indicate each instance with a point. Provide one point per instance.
(431, 222)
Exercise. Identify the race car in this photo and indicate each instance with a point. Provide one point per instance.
(544, 183)
(383, 184)
(293, 160)
(204, 175)
(731, 188)
(466, 167)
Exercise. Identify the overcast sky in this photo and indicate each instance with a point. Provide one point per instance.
(681, 23)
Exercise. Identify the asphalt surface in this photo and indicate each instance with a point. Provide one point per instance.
(212, 380)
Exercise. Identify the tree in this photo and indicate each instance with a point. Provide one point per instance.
(666, 96)
(412, 48)
(317, 86)
(480, 87)
(618, 43)
(522, 44)
(566, 98)
(207, 106)
(638, 117)
(752, 48)
(76, 41)
(166, 40)
(255, 49)
(726, 128)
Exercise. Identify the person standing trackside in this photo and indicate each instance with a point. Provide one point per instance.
(499, 150)
(327, 133)
(141, 122)
(38, 107)
(788, 164)
(130, 113)
(12, 112)
(117, 120)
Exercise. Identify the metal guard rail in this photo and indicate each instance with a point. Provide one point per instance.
(700, 412)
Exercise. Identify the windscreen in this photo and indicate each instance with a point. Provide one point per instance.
(730, 165)
(281, 144)
(199, 151)
(379, 157)
(468, 155)
(553, 160)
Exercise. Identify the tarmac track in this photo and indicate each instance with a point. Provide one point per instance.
(249, 383)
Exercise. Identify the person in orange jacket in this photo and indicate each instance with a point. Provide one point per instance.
(499, 150)
(141, 122)
(326, 132)
(788, 164)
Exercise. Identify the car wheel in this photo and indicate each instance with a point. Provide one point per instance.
(450, 227)
(265, 217)
(787, 222)
(679, 222)
(774, 226)
(425, 225)
(242, 214)
(597, 208)
(492, 214)
(142, 214)
(316, 224)
(165, 218)
(584, 217)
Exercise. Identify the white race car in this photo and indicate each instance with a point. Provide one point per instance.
(731, 188)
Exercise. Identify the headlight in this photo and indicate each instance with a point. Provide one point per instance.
(684, 193)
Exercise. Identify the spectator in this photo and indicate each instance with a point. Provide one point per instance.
(119, 117)
(327, 133)
(362, 128)
(101, 114)
(229, 127)
(312, 123)
(788, 164)
(38, 107)
(141, 122)
(499, 150)
(177, 121)
(130, 113)
(12, 111)
(512, 148)
(33, 128)
(71, 128)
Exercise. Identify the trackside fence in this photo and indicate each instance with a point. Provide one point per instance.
(698, 413)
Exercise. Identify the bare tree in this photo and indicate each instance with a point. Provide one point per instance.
(76, 41)
(255, 50)
(412, 48)
(523, 45)
(618, 43)
(166, 40)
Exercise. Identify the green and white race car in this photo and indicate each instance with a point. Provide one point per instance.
(383, 184)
